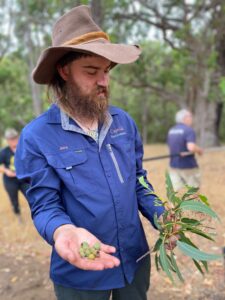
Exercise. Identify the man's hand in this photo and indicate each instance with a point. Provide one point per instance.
(68, 239)
(171, 241)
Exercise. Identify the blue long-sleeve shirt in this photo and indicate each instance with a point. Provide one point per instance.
(74, 180)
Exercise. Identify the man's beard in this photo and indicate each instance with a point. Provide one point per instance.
(85, 107)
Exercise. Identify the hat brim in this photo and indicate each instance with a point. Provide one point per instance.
(117, 53)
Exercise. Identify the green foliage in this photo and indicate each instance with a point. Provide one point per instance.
(16, 110)
(175, 224)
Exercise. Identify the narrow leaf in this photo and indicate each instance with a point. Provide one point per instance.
(157, 262)
(200, 232)
(198, 206)
(171, 194)
(196, 253)
(157, 245)
(203, 199)
(198, 266)
(190, 221)
(191, 191)
(164, 261)
(173, 261)
(156, 222)
(143, 183)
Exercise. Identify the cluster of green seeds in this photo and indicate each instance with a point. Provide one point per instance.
(90, 252)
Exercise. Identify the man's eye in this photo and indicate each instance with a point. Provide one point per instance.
(91, 73)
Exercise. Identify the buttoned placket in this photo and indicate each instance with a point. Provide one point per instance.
(103, 155)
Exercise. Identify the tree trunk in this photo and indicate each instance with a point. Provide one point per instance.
(205, 112)
(97, 9)
(144, 121)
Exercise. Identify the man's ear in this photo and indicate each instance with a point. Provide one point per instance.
(63, 71)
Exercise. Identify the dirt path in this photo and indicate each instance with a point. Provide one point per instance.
(24, 256)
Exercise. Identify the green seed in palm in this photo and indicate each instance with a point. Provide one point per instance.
(97, 246)
(91, 256)
(85, 245)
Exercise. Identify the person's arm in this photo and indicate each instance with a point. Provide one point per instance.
(3, 168)
(48, 212)
(146, 203)
(192, 147)
(7, 172)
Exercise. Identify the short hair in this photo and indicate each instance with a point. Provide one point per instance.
(181, 114)
(11, 134)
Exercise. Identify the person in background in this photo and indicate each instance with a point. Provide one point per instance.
(181, 140)
(11, 183)
(83, 158)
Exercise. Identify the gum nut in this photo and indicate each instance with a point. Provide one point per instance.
(91, 256)
(97, 246)
(87, 252)
(84, 245)
(82, 254)
(93, 250)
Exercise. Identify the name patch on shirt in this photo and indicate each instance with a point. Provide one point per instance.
(176, 131)
(61, 148)
(115, 132)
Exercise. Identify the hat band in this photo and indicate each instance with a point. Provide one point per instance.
(87, 37)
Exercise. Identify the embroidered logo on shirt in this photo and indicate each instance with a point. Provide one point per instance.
(63, 148)
(117, 132)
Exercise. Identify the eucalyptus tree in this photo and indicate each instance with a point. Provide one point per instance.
(191, 28)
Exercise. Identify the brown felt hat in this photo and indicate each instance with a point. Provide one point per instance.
(77, 31)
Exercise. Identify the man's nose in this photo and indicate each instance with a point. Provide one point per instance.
(103, 80)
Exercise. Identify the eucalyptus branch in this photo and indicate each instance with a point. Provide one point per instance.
(174, 224)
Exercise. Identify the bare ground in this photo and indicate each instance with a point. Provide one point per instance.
(24, 257)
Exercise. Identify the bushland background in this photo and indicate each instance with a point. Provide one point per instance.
(182, 65)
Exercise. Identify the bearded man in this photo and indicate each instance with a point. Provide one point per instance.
(83, 159)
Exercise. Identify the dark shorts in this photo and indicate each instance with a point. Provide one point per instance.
(137, 290)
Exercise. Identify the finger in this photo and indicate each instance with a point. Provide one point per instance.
(107, 248)
(110, 261)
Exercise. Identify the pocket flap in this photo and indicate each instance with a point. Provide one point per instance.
(67, 159)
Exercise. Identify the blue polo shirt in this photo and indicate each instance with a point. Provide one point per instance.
(74, 180)
(177, 139)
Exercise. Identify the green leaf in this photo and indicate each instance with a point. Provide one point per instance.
(185, 239)
(204, 199)
(198, 266)
(190, 221)
(157, 262)
(196, 253)
(171, 194)
(164, 261)
(191, 191)
(198, 206)
(157, 245)
(143, 183)
(200, 232)
(156, 222)
(174, 263)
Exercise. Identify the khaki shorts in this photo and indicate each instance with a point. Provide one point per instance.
(182, 177)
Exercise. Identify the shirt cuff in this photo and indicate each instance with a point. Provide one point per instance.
(53, 224)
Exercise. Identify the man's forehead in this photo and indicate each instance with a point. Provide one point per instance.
(94, 60)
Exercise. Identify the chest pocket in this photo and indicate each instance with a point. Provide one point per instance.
(69, 165)
(122, 154)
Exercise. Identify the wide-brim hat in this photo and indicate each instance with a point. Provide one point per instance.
(77, 31)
